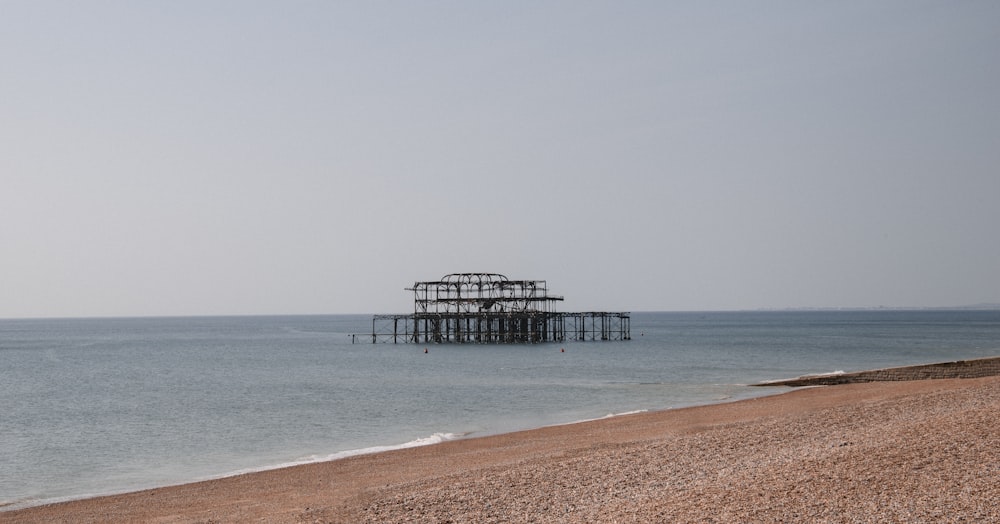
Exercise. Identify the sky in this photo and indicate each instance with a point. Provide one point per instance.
(311, 157)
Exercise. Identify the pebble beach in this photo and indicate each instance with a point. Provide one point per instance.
(913, 451)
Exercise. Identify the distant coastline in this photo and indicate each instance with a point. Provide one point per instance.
(970, 307)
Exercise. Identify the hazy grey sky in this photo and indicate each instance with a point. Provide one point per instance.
(209, 157)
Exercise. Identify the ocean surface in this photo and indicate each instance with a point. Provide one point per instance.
(98, 406)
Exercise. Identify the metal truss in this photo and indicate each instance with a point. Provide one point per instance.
(489, 308)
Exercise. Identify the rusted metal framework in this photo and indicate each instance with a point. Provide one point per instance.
(489, 308)
(474, 293)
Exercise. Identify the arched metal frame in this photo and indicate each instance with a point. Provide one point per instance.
(472, 293)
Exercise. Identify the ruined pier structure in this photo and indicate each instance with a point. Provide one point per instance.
(489, 308)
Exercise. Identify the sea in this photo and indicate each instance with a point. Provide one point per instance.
(109, 405)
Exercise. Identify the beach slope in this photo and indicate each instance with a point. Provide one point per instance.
(912, 451)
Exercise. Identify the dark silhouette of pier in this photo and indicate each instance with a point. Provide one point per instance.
(489, 308)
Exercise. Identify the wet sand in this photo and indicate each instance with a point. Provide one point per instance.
(916, 451)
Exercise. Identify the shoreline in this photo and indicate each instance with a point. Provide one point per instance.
(431, 440)
(437, 438)
(665, 465)
(968, 368)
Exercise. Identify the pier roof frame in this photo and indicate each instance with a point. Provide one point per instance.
(463, 293)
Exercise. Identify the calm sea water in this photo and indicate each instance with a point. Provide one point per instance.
(95, 406)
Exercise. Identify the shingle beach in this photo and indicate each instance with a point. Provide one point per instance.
(912, 451)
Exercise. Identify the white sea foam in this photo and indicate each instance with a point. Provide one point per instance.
(609, 415)
(811, 375)
(436, 438)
